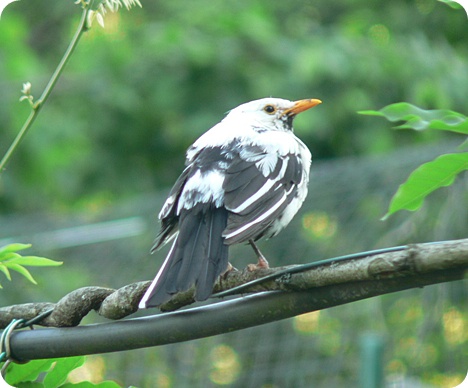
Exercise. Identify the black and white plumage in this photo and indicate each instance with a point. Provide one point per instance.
(245, 178)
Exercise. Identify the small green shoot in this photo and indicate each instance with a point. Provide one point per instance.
(11, 260)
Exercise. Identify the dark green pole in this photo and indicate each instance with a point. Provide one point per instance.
(371, 371)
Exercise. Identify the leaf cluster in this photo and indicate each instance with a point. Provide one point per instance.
(11, 260)
(432, 175)
(51, 373)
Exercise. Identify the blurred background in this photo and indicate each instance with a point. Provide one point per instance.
(88, 181)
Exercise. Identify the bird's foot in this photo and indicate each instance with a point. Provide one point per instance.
(262, 262)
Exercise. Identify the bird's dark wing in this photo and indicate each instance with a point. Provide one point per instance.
(203, 161)
(193, 212)
(168, 215)
(258, 187)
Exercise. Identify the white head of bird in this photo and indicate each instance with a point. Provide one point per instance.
(254, 118)
(274, 114)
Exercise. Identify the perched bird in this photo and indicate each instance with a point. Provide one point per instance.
(244, 179)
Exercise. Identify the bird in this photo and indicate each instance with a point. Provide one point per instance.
(244, 179)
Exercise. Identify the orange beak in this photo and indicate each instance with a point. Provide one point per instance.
(301, 106)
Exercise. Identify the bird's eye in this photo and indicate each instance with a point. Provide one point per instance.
(270, 109)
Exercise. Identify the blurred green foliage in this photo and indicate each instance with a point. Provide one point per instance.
(138, 92)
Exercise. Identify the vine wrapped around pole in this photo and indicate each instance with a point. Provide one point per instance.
(329, 284)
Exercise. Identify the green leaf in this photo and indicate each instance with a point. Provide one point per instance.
(62, 368)
(87, 384)
(9, 256)
(30, 384)
(23, 271)
(24, 375)
(14, 248)
(36, 261)
(420, 119)
(452, 4)
(4, 269)
(18, 373)
(425, 179)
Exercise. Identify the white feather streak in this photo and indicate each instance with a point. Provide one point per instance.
(258, 219)
(149, 291)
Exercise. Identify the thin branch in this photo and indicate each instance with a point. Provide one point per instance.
(36, 106)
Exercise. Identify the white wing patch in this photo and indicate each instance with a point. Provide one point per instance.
(202, 188)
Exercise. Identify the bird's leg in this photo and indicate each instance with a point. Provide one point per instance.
(262, 261)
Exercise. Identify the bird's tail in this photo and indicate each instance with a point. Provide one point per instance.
(197, 257)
